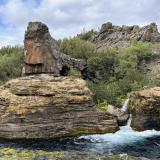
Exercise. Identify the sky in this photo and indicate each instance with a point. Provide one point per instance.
(66, 18)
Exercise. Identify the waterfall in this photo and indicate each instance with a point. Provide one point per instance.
(124, 109)
(125, 105)
(129, 121)
(123, 137)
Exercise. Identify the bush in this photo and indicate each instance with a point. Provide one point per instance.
(103, 63)
(142, 50)
(87, 35)
(11, 59)
(78, 48)
(105, 92)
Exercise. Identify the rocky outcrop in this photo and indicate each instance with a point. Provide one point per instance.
(44, 106)
(42, 53)
(145, 109)
(122, 116)
(116, 36)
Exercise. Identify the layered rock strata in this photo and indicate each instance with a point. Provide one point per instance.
(49, 107)
(145, 109)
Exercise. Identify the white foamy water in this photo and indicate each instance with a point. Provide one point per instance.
(126, 135)
(125, 105)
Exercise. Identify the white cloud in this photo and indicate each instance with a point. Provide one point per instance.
(69, 17)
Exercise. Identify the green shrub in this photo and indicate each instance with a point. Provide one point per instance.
(142, 50)
(11, 59)
(78, 48)
(105, 92)
(87, 35)
(103, 63)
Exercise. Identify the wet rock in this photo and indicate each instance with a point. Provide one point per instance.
(116, 36)
(145, 109)
(122, 116)
(45, 106)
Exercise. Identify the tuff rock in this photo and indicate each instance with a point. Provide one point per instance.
(42, 53)
(45, 106)
(145, 109)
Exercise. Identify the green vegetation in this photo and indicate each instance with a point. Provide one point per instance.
(103, 106)
(78, 48)
(11, 59)
(113, 72)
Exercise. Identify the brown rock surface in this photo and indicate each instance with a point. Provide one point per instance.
(116, 36)
(145, 109)
(122, 116)
(49, 107)
(42, 53)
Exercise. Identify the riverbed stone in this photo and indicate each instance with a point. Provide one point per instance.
(14, 154)
(45, 106)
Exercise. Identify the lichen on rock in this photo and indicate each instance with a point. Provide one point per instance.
(13, 154)
(45, 106)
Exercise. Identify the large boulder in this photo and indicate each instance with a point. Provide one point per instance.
(145, 109)
(45, 106)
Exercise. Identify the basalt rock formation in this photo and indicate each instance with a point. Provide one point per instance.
(116, 36)
(145, 109)
(42, 53)
(45, 106)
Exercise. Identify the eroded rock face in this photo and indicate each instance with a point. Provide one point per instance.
(116, 36)
(49, 107)
(145, 109)
(122, 116)
(42, 53)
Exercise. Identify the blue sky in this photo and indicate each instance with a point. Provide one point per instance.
(68, 17)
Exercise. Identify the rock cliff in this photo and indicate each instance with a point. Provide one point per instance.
(145, 108)
(42, 53)
(45, 106)
(116, 36)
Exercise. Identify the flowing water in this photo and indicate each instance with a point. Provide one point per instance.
(126, 141)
